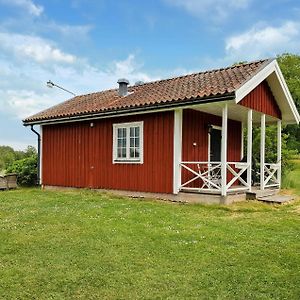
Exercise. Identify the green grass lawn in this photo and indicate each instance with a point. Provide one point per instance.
(292, 179)
(87, 245)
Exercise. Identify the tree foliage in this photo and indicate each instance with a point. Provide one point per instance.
(271, 147)
(26, 170)
(23, 163)
(290, 67)
(8, 155)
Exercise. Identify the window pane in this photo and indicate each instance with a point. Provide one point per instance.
(121, 142)
(132, 153)
(131, 131)
(121, 153)
(121, 132)
(137, 131)
(137, 142)
(132, 142)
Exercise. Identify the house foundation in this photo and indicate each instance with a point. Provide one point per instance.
(182, 197)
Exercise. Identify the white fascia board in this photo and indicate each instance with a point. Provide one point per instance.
(287, 93)
(251, 84)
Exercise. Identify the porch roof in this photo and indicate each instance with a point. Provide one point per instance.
(203, 87)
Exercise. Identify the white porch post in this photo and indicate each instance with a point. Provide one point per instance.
(224, 150)
(249, 148)
(242, 140)
(262, 150)
(177, 146)
(279, 151)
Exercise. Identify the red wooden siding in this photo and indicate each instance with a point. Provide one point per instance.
(195, 130)
(77, 155)
(261, 99)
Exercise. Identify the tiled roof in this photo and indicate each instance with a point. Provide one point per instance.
(203, 85)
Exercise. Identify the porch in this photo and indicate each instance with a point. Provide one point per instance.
(226, 174)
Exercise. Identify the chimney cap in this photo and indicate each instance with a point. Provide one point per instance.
(123, 89)
(123, 80)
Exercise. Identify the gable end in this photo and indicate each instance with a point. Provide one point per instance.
(262, 99)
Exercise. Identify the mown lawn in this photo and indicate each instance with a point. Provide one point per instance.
(291, 180)
(87, 245)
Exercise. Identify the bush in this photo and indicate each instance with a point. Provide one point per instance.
(26, 170)
(8, 155)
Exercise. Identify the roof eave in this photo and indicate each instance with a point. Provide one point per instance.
(134, 110)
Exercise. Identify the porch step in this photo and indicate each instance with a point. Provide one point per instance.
(257, 194)
(268, 196)
(278, 199)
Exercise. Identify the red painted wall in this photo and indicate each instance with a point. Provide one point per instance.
(261, 99)
(77, 155)
(195, 130)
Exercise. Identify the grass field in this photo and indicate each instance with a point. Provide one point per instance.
(292, 180)
(87, 245)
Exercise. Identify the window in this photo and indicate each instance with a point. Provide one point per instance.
(128, 142)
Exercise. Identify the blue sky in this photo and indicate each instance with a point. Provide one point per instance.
(87, 45)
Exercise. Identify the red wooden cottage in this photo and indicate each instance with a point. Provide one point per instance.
(168, 136)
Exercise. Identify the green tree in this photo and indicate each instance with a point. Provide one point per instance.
(7, 156)
(26, 170)
(290, 67)
(24, 163)
(271, 147)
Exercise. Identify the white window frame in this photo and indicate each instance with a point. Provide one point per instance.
(128, 159)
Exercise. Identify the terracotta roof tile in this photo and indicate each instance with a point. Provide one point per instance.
(214, 83)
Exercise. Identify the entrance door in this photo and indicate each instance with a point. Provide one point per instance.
(215, 144)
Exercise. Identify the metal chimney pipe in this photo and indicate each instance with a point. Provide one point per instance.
(123, 91)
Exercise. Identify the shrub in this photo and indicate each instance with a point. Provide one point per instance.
(26, 170)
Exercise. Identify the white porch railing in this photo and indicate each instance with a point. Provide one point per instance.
(271, 175)
(207, 176)
(237, 169)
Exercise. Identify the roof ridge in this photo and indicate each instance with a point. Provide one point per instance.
(206, 71)
(176, 77)
(181, 76)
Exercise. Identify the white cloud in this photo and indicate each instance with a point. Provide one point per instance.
(129, 69)
(23, 90)
(126, 66)
(28, 5)
(215, 9)
(265, 41)
(33, 47)
(25, 102)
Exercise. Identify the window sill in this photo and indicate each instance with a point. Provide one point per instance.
(139, 162)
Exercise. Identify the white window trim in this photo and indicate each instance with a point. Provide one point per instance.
(128, 160)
